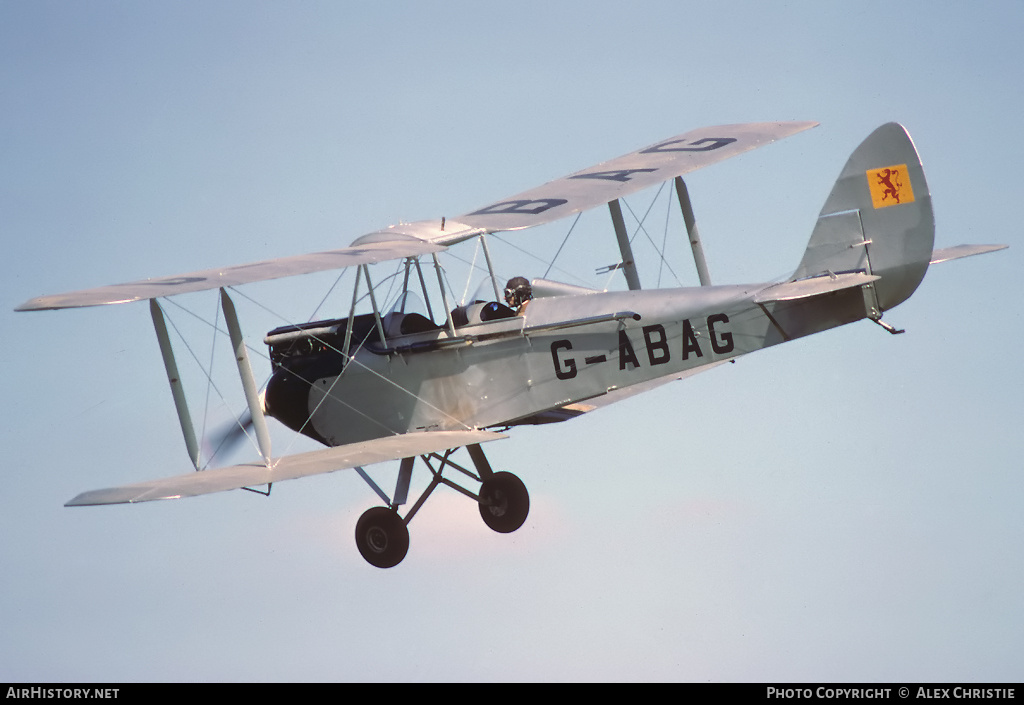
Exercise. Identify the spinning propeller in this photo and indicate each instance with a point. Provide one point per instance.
(226, 440)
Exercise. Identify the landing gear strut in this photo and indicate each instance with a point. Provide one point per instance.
(382, 536)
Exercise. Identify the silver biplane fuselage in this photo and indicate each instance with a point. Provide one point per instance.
(533, 368)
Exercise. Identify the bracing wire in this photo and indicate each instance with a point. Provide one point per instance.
(327, 393)
(469, 275)
(207, 373)
(564, 240)
(353, 360)
(329, 292)
(571, 275)
(664, 240)
(640, 228)
(206, 403)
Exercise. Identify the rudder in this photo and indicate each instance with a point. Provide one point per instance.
(877, 220)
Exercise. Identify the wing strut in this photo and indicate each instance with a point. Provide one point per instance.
(628, 264)
(490, 268)
(373, 303)
(187, 429)
(252, 397)
(444, 296)
(691, 232)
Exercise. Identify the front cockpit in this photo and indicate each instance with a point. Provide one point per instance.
(307, 354)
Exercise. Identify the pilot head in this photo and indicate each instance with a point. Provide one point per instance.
(518, 292)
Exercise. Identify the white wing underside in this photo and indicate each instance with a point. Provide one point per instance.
(554, 200)
(286, 468)
(625, 175)
(368, 253)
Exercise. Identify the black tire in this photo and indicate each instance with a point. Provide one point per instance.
(382, 537)
(504, 502)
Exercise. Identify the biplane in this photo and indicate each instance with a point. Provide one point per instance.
(424, 374)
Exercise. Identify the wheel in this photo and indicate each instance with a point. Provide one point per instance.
(382, 537)
(504, 502)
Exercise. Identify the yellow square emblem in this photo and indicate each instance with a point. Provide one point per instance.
(890, 186)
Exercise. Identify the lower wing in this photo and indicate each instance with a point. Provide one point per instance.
(286, 468)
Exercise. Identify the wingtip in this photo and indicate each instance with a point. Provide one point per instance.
(32, 305)
(802, 125)
(57, 302)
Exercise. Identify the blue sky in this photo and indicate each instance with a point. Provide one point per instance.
(844, 507)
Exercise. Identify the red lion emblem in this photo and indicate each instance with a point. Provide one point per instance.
(890, 179)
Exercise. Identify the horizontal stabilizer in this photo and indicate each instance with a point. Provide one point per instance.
(814, 286)
(286, 468)
(950, 253)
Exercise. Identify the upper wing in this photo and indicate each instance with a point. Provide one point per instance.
(622, 176)
(366, 250)
(288, 467)
(557, 199)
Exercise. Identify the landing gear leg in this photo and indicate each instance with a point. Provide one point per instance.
(382, 536)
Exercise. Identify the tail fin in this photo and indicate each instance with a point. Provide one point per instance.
(878, 221)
